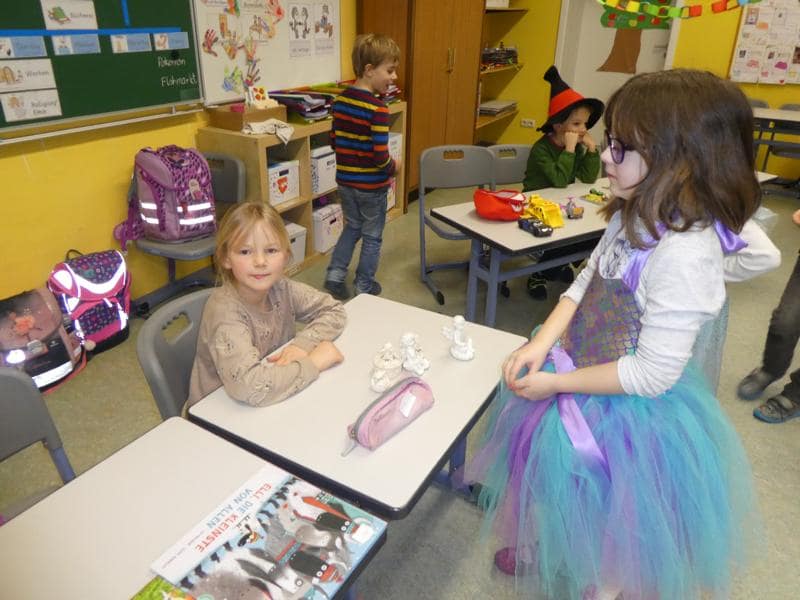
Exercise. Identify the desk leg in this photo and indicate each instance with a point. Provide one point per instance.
(472, 280)
(491, 287)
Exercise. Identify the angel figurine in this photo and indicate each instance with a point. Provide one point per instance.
(461, 348)
(386, 368)
(413, 360)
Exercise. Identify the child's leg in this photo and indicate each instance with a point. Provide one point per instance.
(353, 223)
(373, 212)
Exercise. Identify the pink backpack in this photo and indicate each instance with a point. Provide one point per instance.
(170, 199)
(94, 291)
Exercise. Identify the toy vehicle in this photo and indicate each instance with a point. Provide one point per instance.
(535, 226)
(546, 211)
(595, 196)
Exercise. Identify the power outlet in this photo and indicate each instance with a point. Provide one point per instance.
(530, 123)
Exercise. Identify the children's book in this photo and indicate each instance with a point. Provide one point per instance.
(160, 589)
(277, 537)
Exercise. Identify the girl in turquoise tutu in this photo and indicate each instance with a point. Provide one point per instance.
(608, 466)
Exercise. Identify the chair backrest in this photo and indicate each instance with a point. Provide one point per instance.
(166, 347)
(510, 162)
(227, 177)
(25, 420)
(756, 103)
(454, 167)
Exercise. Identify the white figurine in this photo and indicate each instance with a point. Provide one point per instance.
(461, 348)
(386, 368)
(413, 360)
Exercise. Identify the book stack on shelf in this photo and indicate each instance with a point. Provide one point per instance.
(275, 537)
(494, 108)
(501, 56)
(306, 106)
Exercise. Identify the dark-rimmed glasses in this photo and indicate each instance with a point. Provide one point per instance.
(616, 148)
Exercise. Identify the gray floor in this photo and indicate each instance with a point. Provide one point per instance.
(434, 553)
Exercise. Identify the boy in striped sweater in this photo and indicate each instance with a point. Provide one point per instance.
(360, 135)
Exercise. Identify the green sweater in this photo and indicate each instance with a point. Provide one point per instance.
(552, 166)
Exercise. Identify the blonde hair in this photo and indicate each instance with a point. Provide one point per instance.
(373, 49)
(239, 222)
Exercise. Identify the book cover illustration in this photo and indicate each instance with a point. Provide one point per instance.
(161, 589)
(276, 537)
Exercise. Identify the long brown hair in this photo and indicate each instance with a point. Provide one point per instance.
(237, 223)
(695, 133)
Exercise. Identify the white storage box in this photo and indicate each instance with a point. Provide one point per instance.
(297, 239)
(391, 193)
(284, 181)
(323, 170)
(395, 145)
(496, 3)
(328, 226)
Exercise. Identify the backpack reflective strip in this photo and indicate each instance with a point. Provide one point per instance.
(148, 205)
(196, 220)
(195, 207)
(151, 220)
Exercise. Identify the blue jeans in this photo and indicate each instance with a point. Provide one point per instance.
(364, 219)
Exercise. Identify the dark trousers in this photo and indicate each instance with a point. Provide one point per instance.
(784, 331)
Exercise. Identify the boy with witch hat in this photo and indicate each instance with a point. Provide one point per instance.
(565, 152)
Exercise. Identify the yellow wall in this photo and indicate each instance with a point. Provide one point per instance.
(69, 192)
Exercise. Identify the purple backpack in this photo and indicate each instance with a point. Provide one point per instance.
(94, 291)
(170, 199)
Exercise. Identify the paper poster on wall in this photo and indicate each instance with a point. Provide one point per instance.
(269, 43)
(69, 14)
(768, 45)
(24, 106)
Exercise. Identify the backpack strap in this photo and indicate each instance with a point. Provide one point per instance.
(131, 228)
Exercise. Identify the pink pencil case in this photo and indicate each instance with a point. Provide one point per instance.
(389, 413)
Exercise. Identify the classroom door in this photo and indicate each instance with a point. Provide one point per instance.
(584, 46)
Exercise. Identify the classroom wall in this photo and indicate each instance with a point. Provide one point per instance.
(69, 192)
(703, 43)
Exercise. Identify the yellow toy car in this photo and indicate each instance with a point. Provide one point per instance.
(546, 211)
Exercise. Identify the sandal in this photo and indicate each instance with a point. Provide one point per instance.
(777, 410)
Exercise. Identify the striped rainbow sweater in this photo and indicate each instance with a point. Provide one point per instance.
(360, 135)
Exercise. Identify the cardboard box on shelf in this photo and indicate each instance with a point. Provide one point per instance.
(395, 145)
(391, 194)
(284, 181)
(297, 240)
(323, 170)
(328, 226)
(225, 118)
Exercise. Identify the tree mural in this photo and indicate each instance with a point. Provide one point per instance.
(628, 38)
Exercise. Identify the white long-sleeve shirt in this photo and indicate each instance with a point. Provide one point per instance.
(682, 285)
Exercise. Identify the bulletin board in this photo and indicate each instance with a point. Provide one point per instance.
(273, 44)
(768, 46)
(66, 59)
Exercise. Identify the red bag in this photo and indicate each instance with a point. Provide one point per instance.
(499, 205)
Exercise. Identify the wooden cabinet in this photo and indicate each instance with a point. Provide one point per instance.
(256, 150)
(440, 43)
(496, 23)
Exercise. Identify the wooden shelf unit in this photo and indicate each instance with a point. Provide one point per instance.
(506, 68)
(255, 150)
(486, 120)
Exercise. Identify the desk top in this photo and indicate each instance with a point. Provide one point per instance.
(307, 433)
(96, 537)
(508, 237)
(777, 114)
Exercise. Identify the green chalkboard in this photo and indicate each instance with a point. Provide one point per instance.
(66, 59)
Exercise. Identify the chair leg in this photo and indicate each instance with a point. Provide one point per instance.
(62, 464)
(423, 267)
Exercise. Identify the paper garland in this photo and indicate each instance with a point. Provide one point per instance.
(660, 13)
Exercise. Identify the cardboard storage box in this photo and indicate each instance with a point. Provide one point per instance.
(224, 117)
(297, 239)
(395, 145)
(323, 170)
(284, 181)
(328, 226)
(391, 194)
(496, 3)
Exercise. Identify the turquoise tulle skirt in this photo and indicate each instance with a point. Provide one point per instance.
(670, 514)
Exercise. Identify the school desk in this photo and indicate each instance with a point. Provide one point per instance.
(772, 121)
(506, 241)
(95, 538)
(307, 433)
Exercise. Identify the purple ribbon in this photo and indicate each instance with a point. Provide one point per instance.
(730, 242)
(572, 418)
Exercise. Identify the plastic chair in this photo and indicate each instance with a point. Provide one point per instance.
(24, 421)
(510, 162)
(448, 167)
(166, 347)
(228, 183)
(784, 149)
